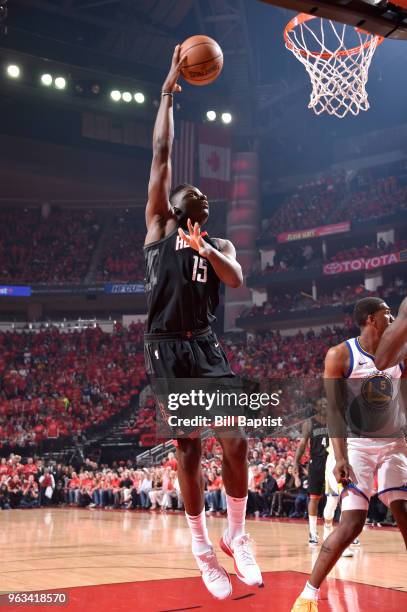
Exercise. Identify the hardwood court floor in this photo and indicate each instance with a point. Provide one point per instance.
(113, 560)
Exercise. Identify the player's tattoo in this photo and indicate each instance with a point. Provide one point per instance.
(325, 548)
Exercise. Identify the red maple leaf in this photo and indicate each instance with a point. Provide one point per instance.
(213, 161)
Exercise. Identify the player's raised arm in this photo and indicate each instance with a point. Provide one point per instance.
(158, 206)
(335, 367)
(392, 347)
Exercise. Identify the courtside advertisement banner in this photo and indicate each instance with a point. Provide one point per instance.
(14, 291)
(134, 288)
(362, 263)
(315, 232)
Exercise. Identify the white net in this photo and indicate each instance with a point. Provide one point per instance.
(337, 58)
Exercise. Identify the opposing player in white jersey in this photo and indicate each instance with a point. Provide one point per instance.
(370, 444)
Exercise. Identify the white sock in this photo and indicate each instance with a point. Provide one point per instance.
(312, 524)
(310, 592)
(330, 507)
(236, 508)
(199, 532)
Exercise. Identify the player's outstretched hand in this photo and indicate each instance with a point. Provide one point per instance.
(344, 473)
(170, 83)
(194, 238)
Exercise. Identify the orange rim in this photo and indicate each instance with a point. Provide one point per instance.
(303, 17)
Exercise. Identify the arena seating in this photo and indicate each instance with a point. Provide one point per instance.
(121, 258)
(306, 256)
(56, 384)
(341, 296)
(54, 249)
(332, 199)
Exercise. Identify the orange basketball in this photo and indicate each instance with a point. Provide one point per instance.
(203, 59)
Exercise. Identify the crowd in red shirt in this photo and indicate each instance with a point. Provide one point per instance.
(46, 249)
(58, 384)
(122, 257)
(30, 483)
(332, 199)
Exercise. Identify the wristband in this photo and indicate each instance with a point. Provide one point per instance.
(167, 93)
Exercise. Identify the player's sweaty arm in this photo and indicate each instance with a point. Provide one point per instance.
(158, 206)
(336, 362)
(392, 347)
(224, 262)
(306, 433)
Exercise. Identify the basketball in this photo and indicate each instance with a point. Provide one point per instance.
(203, 59)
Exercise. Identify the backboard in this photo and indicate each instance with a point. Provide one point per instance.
(387, 19)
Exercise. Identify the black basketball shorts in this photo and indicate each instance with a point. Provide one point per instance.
(316, 475)
(185, 355)
(172, 357)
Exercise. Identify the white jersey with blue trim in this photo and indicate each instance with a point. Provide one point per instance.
(374, 404)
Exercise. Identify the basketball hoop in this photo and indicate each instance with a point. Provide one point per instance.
(338, 76)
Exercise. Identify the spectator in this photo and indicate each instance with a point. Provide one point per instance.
(47, 486)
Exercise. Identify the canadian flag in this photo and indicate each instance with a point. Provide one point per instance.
(214, 161)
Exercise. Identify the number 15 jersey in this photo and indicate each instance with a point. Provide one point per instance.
(182, 288)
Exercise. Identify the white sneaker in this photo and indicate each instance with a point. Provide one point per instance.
(246, 567)
(347, 553)
(328, 529)
(215, 578)
(313, 539)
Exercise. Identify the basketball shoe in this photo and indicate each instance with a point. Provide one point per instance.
(215, 578)
(246, 567)
(305, 605)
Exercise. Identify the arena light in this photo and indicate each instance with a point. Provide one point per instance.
(13, 71)
(139, 97)
(46, 79)
(211, 115)
(127, 97)
(226, 117)
(60, 83)
(115, 95)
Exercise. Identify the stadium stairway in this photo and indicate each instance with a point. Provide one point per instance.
(103, 234)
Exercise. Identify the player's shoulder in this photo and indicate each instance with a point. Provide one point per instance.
(337, 359)
(338, 350)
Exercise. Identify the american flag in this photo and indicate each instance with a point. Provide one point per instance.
(183, 156)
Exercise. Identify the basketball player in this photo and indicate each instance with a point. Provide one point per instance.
(184, 268)
(358, 460)
(316, 431)
(392, 347)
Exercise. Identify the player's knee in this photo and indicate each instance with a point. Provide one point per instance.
(330, 507)
(189, 454)
(235, 450)
(351, 526)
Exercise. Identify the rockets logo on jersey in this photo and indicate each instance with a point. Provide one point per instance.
(181, 244)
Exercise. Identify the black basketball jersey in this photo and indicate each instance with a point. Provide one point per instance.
(318, 439)
(182, 288)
